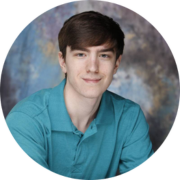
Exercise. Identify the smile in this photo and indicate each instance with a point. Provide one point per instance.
(92, 80)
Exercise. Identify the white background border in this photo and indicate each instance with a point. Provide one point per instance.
(16, 15)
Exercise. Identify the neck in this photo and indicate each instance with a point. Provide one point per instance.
(81, 110)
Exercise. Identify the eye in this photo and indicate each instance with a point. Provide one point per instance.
(104, 55)
(80, 55)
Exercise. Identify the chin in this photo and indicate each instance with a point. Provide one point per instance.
(91, 94)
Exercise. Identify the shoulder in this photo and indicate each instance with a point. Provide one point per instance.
(126, 111)
(34, 104)
(29, 116)
(127, 104)
(129, 115)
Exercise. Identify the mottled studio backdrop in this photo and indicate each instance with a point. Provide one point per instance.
(147, 74)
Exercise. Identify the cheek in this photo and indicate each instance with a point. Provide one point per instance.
(107, 68)
(75, 68)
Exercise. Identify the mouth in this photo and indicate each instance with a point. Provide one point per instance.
(91, 80)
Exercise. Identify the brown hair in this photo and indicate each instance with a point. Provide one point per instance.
(91, 29)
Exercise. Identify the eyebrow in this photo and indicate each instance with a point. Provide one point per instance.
(87, 50)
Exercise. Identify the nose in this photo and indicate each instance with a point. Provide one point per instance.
(92, 64)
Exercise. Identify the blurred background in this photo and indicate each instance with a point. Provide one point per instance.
(147, 74)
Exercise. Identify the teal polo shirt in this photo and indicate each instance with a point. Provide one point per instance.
(117, 138)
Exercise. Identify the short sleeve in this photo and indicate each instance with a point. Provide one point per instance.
(137, 147)
(29, 134)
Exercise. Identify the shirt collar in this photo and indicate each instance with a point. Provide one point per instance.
(60, 119)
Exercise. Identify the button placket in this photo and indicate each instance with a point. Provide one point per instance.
(92, 129)
(76, 132)
(75, 167)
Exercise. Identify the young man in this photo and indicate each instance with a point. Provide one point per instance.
(79, 129)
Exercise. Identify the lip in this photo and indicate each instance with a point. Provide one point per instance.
(91, 80)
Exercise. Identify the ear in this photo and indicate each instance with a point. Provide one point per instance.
(117, 64)
(62, 62)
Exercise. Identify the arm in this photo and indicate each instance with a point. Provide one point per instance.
(30, 136)
(137, 147)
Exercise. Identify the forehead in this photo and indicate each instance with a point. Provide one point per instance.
(100, 48)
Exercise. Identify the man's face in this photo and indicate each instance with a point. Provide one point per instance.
(89, 70)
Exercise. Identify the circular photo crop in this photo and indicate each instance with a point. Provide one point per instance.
(90, 90)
